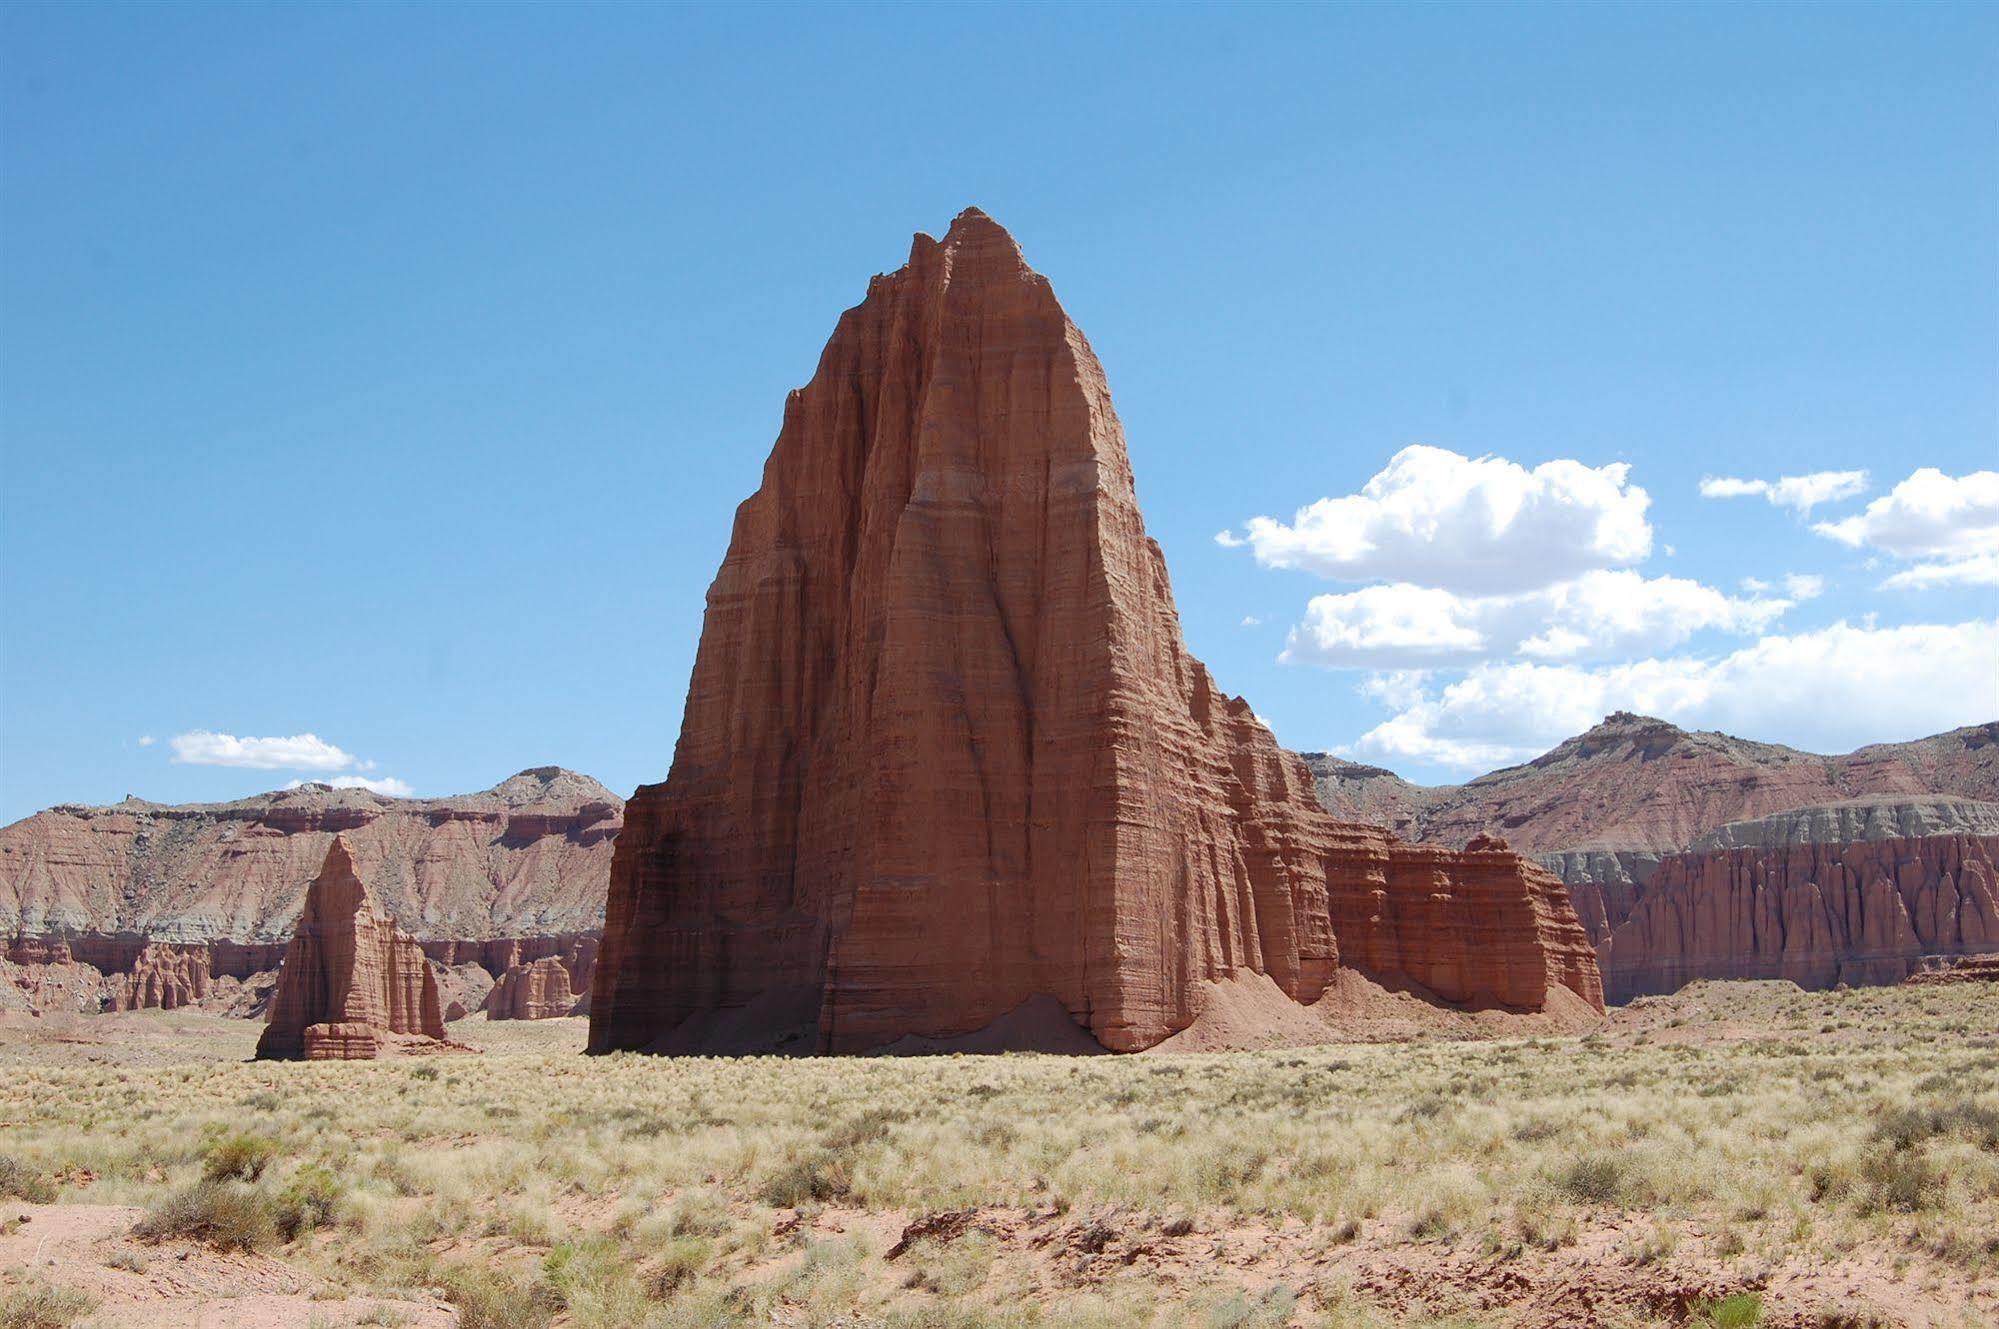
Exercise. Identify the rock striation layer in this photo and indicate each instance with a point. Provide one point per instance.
(352, 985)
(1636, 783)
(1814, 908)
(536, 991)
(945, 754)
(1698, 855)
(179, 904)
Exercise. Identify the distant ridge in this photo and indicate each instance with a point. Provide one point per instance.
(1641, 783)
(528, 857)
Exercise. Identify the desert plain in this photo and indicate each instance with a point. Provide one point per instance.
(1735, 1154)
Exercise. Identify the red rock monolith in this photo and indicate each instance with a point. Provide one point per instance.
(352, 986)
(945, 752)
(538, 990)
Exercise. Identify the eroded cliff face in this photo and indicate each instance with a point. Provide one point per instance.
(945, 752)
(1699, 855)
(176, 905)
(352, 985)
(1819, 912)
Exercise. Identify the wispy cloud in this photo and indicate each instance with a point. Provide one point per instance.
(1800, 493)
(1945, 526)
(1827, 690)
(388, 786)
(299, 752)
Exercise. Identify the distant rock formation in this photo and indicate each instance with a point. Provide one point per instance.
(1698, 855)
(1816, 911)
(1958, 969)
(542, 986)
(536, 991)
(945, 755)
(352, 985)
(178, 905)
(1635, 783)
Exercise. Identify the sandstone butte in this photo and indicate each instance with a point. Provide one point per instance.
(352, 986)
(143, 905)
(945, 756)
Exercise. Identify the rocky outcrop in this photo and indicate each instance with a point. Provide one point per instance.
(461, 988)
(1680, 850)
(165, 902)
(1956, 969)
(536, 991)
(352, 985)
(534, 985)
(1817, 911)
(1635, 783)
(1856, 821)
(945, 752)
(163, 977)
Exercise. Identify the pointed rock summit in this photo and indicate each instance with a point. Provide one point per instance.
(352, 986)
(945, 755)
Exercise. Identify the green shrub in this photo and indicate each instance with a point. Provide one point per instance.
(312, 1200)
(1907, 1127)
(18, 1181)
(1905, 1182)
(680, 1262)
(1597, 1179)
(39, 1306)
(240, 1157)
(821, 1176)
(227, 1217)
(487, 1299)
(1744, 1310)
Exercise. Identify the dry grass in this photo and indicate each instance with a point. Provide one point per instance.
(541, 1187)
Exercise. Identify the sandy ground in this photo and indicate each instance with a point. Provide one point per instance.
(1617, 1269)
(88, 1248)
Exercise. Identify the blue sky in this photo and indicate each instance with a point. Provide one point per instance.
(389, 375)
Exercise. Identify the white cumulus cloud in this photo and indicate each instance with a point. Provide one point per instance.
(1945, 526)
(299, 752)
(1597, 614)
(388, 786)
(1800, 493)
(1481, 525)
(1827, 690)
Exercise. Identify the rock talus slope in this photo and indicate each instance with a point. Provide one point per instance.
(945, 753)
(352, 984)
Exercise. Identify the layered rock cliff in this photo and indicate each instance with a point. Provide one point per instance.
(1818, 911)
(1699, 855)
(169, 905)
(352, 985)
(945, 753)
(1635, 784)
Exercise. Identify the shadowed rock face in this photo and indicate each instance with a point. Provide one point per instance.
(945, 752)
(350, 980)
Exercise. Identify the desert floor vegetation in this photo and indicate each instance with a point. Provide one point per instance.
(1739, 1154)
